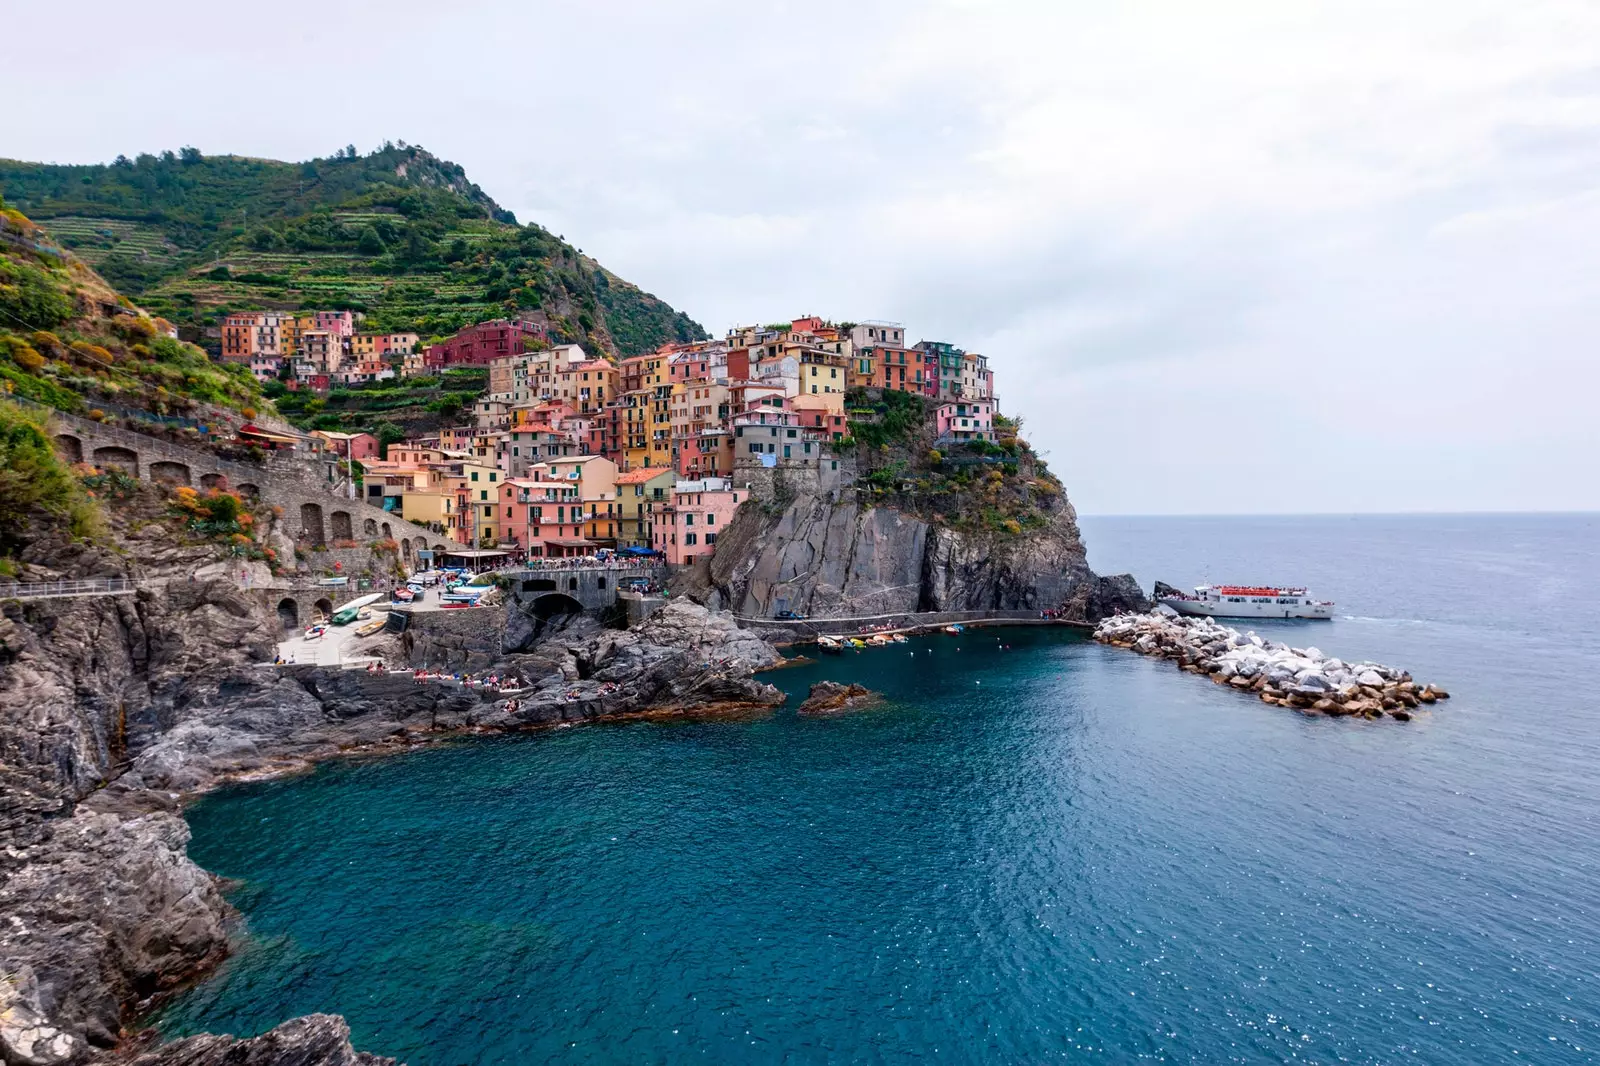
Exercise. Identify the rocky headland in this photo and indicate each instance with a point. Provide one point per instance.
(828, 554)
(1302, 678)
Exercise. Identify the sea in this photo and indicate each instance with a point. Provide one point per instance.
(1038, 849)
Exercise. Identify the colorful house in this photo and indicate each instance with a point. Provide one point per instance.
(687, 528)
(962, 421)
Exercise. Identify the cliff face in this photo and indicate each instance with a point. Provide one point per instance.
(823, 557)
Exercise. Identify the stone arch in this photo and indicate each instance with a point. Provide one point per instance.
(325, 607)
(170, 473)
(405, 547)
(438, 550)
(289, 613)
(342, 527)
(555, 603)
(121, 458)
(572, 584)
(369, 527)
(213, 481)
(69, 447)
(388, 534)
(311, 523)
(247, 489)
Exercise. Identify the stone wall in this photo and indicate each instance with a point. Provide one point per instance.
(824, 474)
(465, 639)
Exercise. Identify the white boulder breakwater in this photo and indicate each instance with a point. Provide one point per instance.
(1302, 678)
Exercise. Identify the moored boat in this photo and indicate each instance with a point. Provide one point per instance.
(1250, 601)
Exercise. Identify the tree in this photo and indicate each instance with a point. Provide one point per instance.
(190, 155)
(371, 243)
(388, 433)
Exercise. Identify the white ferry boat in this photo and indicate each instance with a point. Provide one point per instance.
(1249, 601)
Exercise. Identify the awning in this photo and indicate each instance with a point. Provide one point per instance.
(475, 553)
(570, 543)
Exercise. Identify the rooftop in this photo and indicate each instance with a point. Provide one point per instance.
(636, 477)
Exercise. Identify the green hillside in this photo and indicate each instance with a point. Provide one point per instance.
(397, 234)
(70, 341)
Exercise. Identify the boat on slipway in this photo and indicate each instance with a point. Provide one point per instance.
(1249, 601)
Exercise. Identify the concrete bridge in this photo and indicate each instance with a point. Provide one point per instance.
(323, 517)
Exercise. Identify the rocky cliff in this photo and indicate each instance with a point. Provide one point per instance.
(827, 557)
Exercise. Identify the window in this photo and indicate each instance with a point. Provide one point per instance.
(474, 475)
(689, 538)
(711, 538)
(711, 519)
(688, 519)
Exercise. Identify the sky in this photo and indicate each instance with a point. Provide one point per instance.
(1270, 257)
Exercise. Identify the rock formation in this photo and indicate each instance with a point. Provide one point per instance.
(831, 697)
(115, 707)
(1290, 677)
(314, 1040)
(825, 557)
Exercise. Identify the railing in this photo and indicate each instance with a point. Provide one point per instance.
(41, 590)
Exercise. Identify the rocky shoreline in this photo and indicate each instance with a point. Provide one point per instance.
(1302, 678)
(118, 710)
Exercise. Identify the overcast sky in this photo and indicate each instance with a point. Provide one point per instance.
(1225, 257)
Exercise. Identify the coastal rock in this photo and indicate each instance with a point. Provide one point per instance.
(824, 557)
(311, 1040)
(831, 697)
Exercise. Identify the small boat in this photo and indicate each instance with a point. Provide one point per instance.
(372, 627)
(829, 644)
(954, 630)
(1249, 601)
(900, 638)
(857, 643)
(316, 630)
(403, 595)
(877, 640)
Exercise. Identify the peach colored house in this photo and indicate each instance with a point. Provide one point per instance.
(686, 529)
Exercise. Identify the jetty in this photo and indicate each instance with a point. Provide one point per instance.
(1302, 678)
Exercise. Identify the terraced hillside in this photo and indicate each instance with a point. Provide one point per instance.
(397, 234)
(70, 341)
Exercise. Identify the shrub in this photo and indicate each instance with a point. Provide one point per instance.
(248, 412)
(34, 479)
(26, 357)
(29, 294)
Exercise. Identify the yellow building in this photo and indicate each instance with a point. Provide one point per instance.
(636, 489)
(435, 510)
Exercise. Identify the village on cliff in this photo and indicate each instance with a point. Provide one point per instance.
(569, 453)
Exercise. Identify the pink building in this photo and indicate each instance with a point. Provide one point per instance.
(339, 323)
(686, 529)
(966, 421)
(357, 446)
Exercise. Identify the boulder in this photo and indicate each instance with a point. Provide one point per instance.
(831, 697)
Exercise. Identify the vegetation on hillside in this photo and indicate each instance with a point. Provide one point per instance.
(995, 487)
(35, 482)
(393, 409)
(68, 340)
(397, 234)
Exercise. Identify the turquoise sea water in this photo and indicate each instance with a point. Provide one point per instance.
(1047, 851)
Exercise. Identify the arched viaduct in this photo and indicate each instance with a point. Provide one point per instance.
(315, 516)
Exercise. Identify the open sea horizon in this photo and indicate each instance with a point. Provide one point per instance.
(1038, 849)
